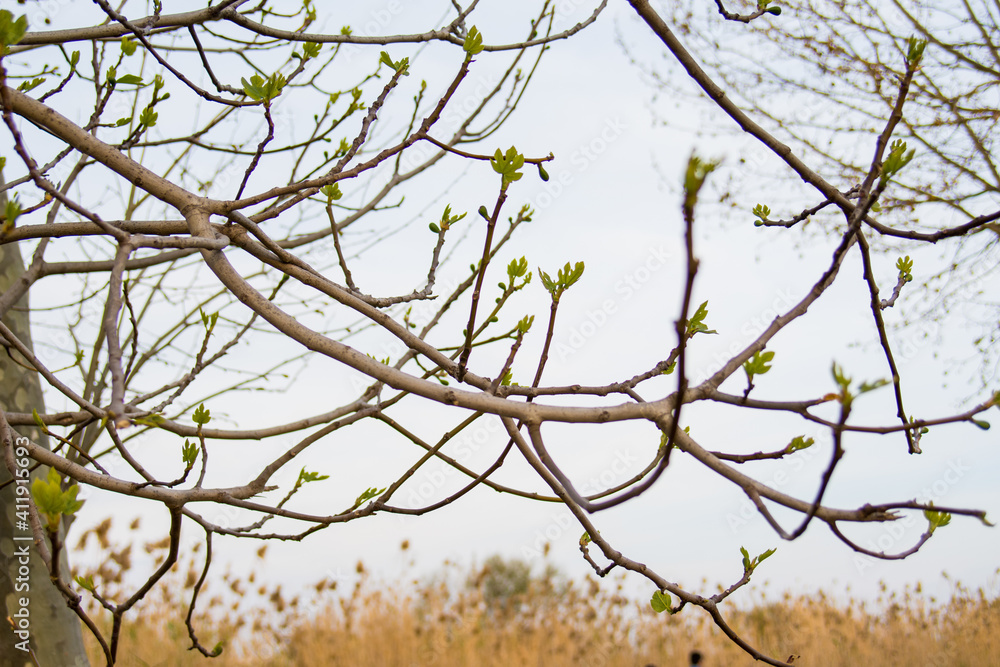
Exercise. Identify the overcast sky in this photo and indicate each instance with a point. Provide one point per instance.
(613, 203)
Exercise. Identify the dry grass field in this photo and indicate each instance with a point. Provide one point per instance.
(563, 626)
(502, 613)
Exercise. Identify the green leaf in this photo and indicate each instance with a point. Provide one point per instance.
(865, 387)
(447, 219)
(25, 86)
(516, 269)
(148, 117)
(399, 67)
(915, 51)
(306, 477)
(660, 602)
(936, 519)
(11, 31)
(524, 324)
(52, 501)
(547, 282)
(473, 42)
(37, 418)
(259, 89)
(189, 453)
(694, 178)
(839, 377)
(585, 539)
(86, 583)
(208, 320)
(845, 396)
(12, 212)
(565, 278)
(128, 46)
(761, 211)
(750, 565)
(311, 49)
(131, 80)
(507, 165)
(905, 266)
(434, 228)
(367, 495)
(897, 159)
(155, 420)
(201, 415)
(252, 89)
(799, 442)
(331, 192)
(758, 364)
(696, 324)
(570, 277)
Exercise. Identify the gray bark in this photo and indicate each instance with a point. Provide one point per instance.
(55, 633)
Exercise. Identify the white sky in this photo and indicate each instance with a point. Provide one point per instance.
(618, 210)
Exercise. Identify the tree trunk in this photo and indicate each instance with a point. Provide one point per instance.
(55, 636)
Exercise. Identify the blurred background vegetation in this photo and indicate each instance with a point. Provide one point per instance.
(507, 612)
